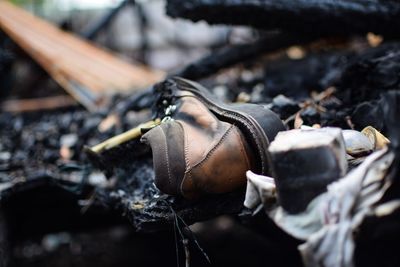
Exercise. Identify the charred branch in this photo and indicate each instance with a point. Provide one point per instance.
(229, 56)
(341, 17)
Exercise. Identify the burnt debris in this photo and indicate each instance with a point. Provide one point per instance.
(50, 181)
(341, 17)
(32, 142)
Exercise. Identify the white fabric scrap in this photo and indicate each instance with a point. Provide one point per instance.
(260, 189)
(328, 223)
(343, 207)
(300, 225)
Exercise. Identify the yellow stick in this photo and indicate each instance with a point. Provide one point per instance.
(124, 137)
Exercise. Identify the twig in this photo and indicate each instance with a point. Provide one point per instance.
(327, 17)
(229, 56)
(176, 241)
(195, 240)
(185, 243)
(122, 138)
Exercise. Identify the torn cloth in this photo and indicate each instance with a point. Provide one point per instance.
(328, 224)
(343, 208)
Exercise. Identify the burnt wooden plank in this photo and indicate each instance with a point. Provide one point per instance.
(89, 73)
(45, 103)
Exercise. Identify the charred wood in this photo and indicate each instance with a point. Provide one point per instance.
(376, 238)
(363, 81)
(229, 56)
(29, 105)
(329, 17)
(45, 204)
(370, 74)
(4, 242)
(376, 241)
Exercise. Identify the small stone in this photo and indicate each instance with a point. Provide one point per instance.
(247, 76)
(256, 94)
(66, 153)
(295, 52)
(284, 106)
(5, 156)
(98, 179)
(357, 144)
(221, 92)
(243, 98)
(51, 242)
(69, 140)
(310, 116)
(108, 123)
(91, 123)
(137, 206)
(374, 40)
(18, 124)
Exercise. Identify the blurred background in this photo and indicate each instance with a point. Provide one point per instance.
(292, 73)
(140, 30)
(137, 31)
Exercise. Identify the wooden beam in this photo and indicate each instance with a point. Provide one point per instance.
(323, 17)
(90, 74)
(37, 104)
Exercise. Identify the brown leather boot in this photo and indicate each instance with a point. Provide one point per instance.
(204, 146)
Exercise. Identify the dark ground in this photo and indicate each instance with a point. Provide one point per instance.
(44, 194)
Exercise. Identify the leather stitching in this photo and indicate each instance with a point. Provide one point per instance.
(243, 149)
(189, 86)
(186, 152)
(214, 148)
(166, 157)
